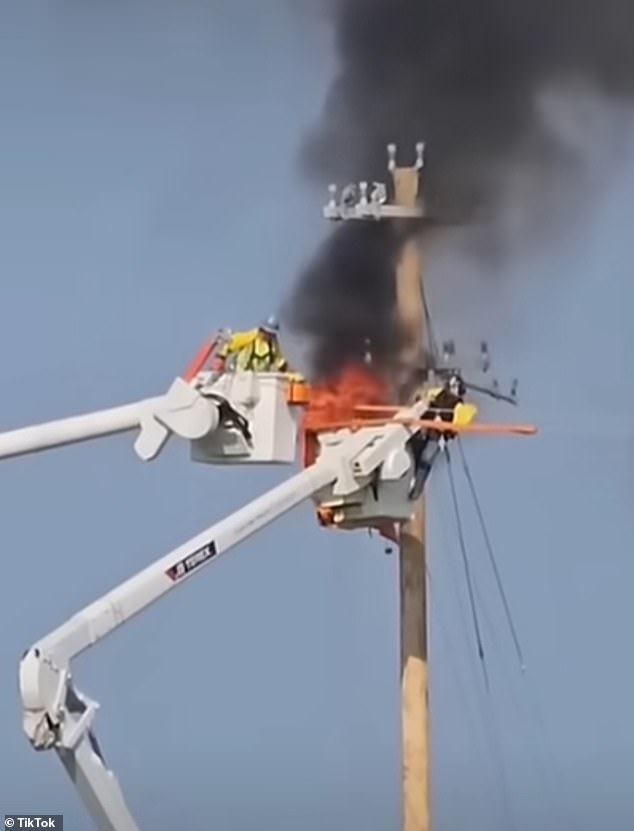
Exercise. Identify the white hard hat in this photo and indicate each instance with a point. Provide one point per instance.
(270, 325)
(456, 384)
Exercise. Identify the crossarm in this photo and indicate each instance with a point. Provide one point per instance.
(58, 716)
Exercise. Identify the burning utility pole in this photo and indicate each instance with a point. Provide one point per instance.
(355, 204)
(412, 553)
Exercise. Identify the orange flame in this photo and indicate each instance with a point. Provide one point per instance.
(334, 402)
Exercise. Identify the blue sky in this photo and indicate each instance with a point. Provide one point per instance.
(150, 194)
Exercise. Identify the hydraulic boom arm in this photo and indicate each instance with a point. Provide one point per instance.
(58, 716)
(361, 477)
(183, 410)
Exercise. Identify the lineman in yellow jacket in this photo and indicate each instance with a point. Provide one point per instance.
(445, 404)
(257, 350)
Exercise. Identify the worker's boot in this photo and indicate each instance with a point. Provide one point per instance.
(417, 445)
(424, 466)
(232, 418)
(240, 423)
(418, 480)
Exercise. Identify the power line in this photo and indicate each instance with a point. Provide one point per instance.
(487, 716)
(480, 736)
(432, 343)
(541, 727)
(467, 570)
(492, 558)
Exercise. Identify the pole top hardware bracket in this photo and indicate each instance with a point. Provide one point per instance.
(420, 156)
(445, 364)
(357, 200)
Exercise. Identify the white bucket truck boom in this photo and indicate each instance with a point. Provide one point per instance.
(237, 416)
(366, 472)
(359, 475)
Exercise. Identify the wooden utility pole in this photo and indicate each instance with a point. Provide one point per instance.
(413, 585)
(412, 554)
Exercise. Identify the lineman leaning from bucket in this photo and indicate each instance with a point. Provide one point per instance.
(257, 350)
(445, 404)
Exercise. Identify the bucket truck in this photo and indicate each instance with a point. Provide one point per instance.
(230, 416)
(361, 474)
(358, 473)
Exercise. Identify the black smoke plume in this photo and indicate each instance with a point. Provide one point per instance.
(463, 77)
(344, 302)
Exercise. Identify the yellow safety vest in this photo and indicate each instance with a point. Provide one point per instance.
(255, 353)
(463, 414)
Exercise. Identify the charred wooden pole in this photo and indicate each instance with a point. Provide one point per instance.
(412, 542)
(355, 203)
